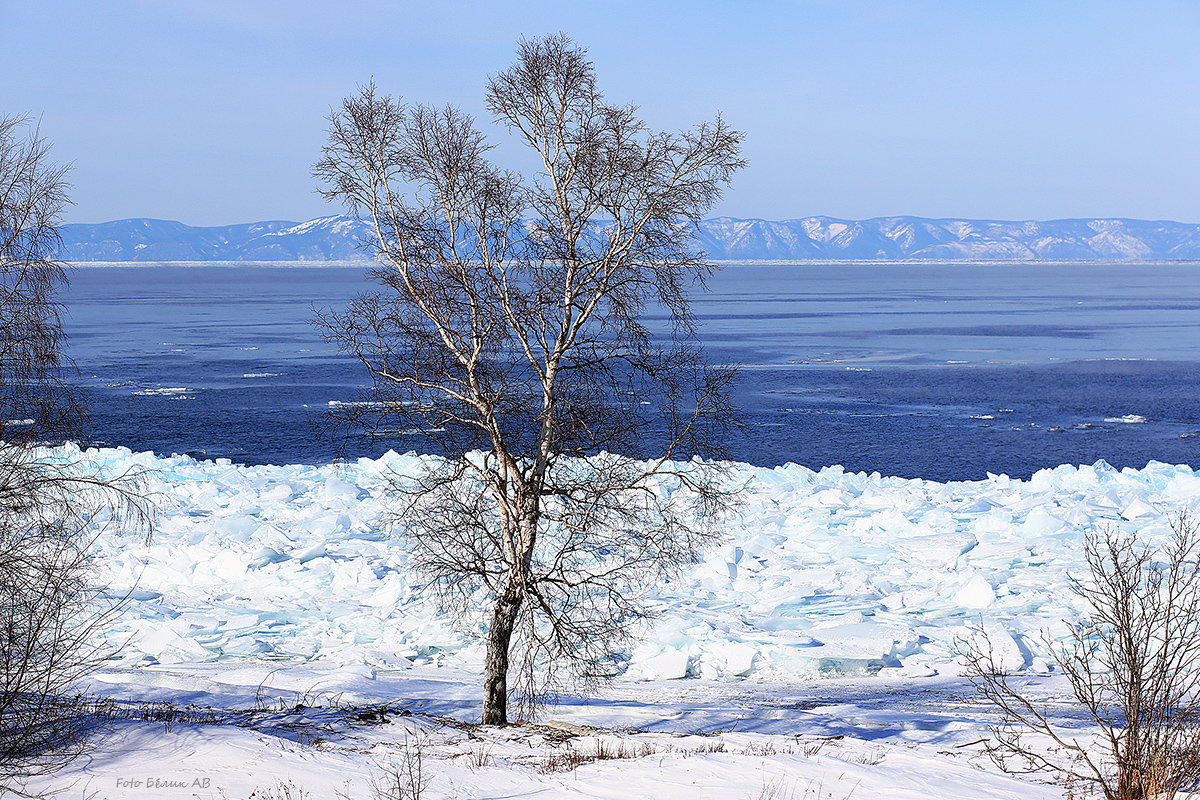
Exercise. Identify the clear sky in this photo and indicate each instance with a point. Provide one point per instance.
(212, 111)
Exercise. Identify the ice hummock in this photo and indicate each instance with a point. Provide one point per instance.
(820, 573)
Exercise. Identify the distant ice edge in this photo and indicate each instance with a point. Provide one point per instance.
(822, 572)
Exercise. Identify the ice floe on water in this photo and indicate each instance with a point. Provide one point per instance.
(820, 572)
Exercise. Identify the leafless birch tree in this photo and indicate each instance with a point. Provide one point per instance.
(510, 334)
(1133, 666)
(51, 507)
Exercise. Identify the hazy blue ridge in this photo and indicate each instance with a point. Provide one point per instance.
(723, 238)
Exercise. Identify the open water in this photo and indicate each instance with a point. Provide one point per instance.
(939, 371)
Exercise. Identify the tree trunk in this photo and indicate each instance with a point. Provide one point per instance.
(495, 668)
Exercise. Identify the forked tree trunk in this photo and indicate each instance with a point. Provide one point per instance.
(495, 668)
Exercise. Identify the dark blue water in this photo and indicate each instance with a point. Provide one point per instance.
(922, 370)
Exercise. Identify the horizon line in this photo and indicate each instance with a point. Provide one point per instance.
(705, 219)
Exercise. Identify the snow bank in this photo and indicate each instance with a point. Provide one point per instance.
(821, 572)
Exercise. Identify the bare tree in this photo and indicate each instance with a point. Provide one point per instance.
(33, 193)
(51, 506)
(509, 333)
(1133, 666)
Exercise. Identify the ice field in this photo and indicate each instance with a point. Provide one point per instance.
(820, 573)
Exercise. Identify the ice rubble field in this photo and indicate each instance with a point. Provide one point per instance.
(274, 588)
(821, 573)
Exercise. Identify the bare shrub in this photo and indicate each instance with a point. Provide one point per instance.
(871, 758)
(1134, 667)
(280, 790)
(404, 777)
(780, 788)
(610, 749)
(168, 713)
(479, 756)
(713, 746)
(814, 747)
(569, 758)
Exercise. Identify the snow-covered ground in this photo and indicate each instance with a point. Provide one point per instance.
(830, 610)
(325, 729)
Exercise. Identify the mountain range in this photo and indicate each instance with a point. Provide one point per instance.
(723, 238)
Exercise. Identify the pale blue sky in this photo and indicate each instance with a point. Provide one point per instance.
(212, 111)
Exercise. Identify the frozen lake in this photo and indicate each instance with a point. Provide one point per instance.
(940, 371)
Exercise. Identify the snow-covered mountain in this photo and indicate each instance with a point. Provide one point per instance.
(325, 239)
(889, 238)
(883, 238)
